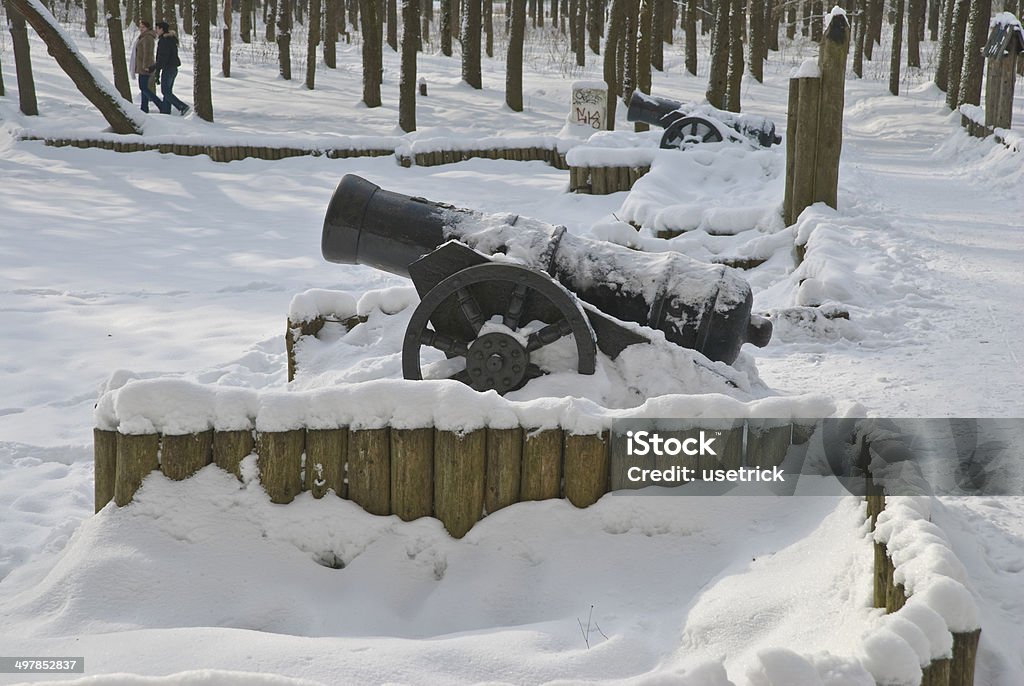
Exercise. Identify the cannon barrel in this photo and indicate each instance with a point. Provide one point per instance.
(652, 110)
(705, 307)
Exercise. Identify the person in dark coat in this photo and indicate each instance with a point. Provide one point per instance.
(143, 54)
(166, 67)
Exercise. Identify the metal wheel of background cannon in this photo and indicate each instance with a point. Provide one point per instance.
(499, 358)
(689, 131)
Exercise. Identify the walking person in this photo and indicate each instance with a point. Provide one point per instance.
(143, 55)
(166, 67)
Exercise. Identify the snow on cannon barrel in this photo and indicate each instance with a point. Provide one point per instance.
(497, 290)
(688, 124)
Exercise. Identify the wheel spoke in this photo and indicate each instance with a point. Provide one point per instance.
(470, 308)
(445, 344)
(548, 335)
(462, 376)
(514, 311)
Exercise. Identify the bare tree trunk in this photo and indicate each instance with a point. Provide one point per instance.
(554, 12)
(407, 81)
(225, 39)
(369, 17)
(245, 20)
(958, 28)
(643, 55)
(817, 10)
(270, 19)
(331, 34)
(90, 18)
(312, 42)
(719, 58)
(934, 11)
(897, 47)
(202, 95)
(446, 28)
(22, 60)
(657, 34)
(115, 109)
(942, 69)
(186, 16)
(471, 19)
(489, 27)
(115, 34)
(514, 58)
(284, 38)
(392, 10)
(735, 79)
(915, 17)
(757, 39)
(168, 12)
(773, 17)
(976, 35)
(612, 75)
(668, 22)
(689, 12)
(579, 32)
(791, 19)
(629, 71)
(858, 50)
(595, 11)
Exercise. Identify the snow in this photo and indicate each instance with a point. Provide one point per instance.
(160, 286)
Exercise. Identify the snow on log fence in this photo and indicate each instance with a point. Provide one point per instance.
(424, 155)
(899, 535)
(457, 477)
(1003, 54)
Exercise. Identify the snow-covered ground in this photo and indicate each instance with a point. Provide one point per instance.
(172, 266)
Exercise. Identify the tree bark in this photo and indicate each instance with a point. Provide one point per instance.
(284, 38)
(312, 42)
(611, 51)
(974, 64)
(186, 16)
(942, 69)
(643, 54)
(489, 27)
(897, 47)
(735, 79)
(225, 39)
(202, 95)
(471, 43)
(629, 66)
(958, 29)
(446, 28)
(22, 60)
(270, 17)
(369, 21)
(915, 17)
(757, 39)
(858, 50)
(115, 34)
(514, 58)
(719, 57)
(690, 25)
(657, 34)
(90, 18)
(935, 9)
(579, 32)
(407, 81)
(595, 27)
(392, 21)
(245, 21)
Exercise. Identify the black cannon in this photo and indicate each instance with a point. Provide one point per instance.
(688, 124)
(497, 290)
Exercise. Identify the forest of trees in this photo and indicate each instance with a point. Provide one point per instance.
(628, 36)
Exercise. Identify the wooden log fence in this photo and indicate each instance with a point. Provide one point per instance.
(413, 472)
(603, 180)
(233, 153)
(891, 596)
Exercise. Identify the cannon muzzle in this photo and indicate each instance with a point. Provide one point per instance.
(653, 110)
(705, 307)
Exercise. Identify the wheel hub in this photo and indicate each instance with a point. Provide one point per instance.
(496, 361)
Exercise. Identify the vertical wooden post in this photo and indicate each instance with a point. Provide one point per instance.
(137, 456)
(369, 470)
(586, 468)
(881, 578)
(280, 461)
(412, 473)
(937, 673)
(730, 448)
(459, 480)
(806, 143)
(835, 46)
(504, 468)
(767, 445)
(965, 652)
(183, 455)
(104, 449)
(326, 455)
(231, 447)
(792, 125)
(542, 465)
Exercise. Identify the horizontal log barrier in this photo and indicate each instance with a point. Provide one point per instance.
(412, 473)
(603, 180)
(891, 596)
(232, 153)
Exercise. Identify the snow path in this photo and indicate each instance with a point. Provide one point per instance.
(962, 221)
